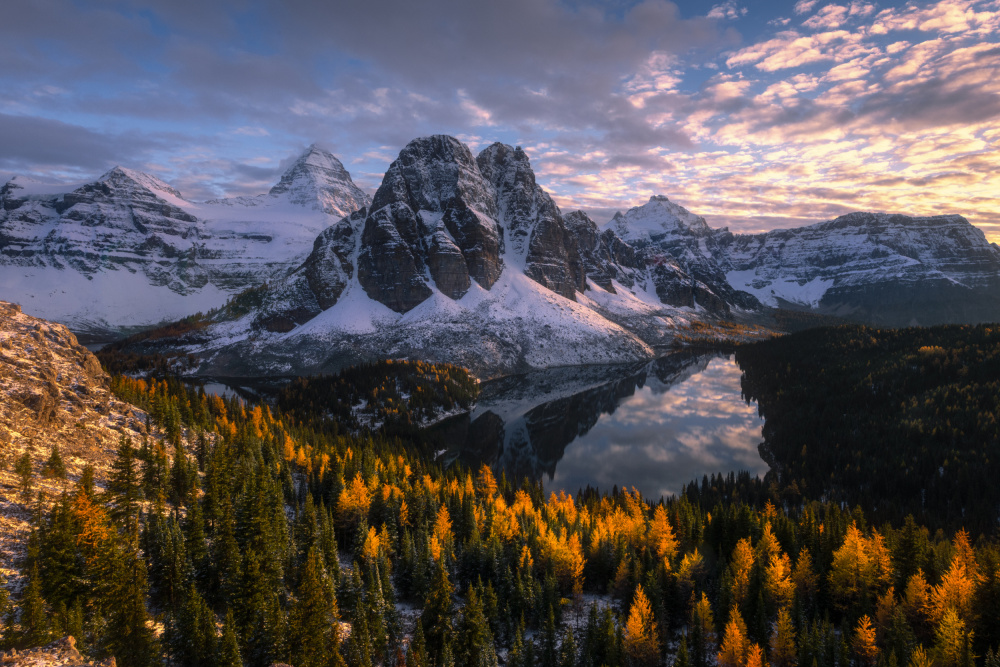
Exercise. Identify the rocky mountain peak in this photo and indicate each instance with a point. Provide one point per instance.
(535, 230)
(122, 179)
(657, 218)
(317, 179)
(433, 220)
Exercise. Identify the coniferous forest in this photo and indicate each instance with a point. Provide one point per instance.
(261, 534)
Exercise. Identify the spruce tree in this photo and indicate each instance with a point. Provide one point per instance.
(473, 639)
(229, 648)
(436, 616)
(54, 466)
(416, 654)
(126, 633)
(34, 617)
(550, 656)
(567, 651)
(312, 616)
(192, 642)
(124, 485)
(24, 470)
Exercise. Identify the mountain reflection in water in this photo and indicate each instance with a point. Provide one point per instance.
(655, 426)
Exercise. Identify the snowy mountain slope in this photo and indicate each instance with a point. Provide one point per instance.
(457, 259)
(128, 251)
(891, 270)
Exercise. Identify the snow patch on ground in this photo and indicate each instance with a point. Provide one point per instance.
(808, 293)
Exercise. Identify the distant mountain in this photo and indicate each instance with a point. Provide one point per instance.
(888, 270)
(127, 251)
(465, 259)
(458, 257)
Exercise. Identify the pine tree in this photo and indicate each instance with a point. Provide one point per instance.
(34, 617)
(550, 656)
(312, 616)
(473, 639)
(6, 609)
(436, 616)
(54, 466)
(24, 468)
(567, 652)
(124, 485)
(193, 642)
(229, 648)
(126, 635)
(682, 659)
(416, 654)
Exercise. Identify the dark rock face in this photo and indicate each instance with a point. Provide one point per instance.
(603, 256)
(535, 228)
(433, 216)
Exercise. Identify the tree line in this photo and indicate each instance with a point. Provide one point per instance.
(248, 537)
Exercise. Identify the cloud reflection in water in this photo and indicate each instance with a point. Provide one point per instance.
(662, 437)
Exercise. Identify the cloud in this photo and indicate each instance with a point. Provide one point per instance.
(29, 142)
(728, 10)
(805, 6)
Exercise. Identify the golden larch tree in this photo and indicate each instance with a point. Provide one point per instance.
(641, 638)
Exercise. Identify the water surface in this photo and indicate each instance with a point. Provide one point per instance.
(655, 427)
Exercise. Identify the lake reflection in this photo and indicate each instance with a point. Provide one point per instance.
(655, 427)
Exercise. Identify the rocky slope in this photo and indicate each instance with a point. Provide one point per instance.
(52, 392)
(60, 653)
(128, 251)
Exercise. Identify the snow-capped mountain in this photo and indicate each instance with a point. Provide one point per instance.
(127, 251)
(465, 259)
(890, 270)
(459, 258)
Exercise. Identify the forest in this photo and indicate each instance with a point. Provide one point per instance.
(898, 421)
(251, 536)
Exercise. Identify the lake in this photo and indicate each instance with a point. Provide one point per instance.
(656, 426)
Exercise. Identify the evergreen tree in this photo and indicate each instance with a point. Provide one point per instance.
(311, 619)
(124, 485)
(550, 655)
(568, 650)
(473, 639)
(34, 617)
(24, 470)
(436, 615)
(54, 466)
(229, 648)
(192, 641)
(682, 659)
(126, 634)
(416, 654)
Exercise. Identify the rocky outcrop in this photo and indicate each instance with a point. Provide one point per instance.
(53, 392)
(538, 237)
(432, 221)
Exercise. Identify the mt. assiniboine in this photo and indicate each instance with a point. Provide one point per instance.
(458, 258)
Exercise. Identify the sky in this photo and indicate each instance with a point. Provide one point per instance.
(756, 115)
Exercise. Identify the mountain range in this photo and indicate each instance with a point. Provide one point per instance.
(457, 257)
(127, 251)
